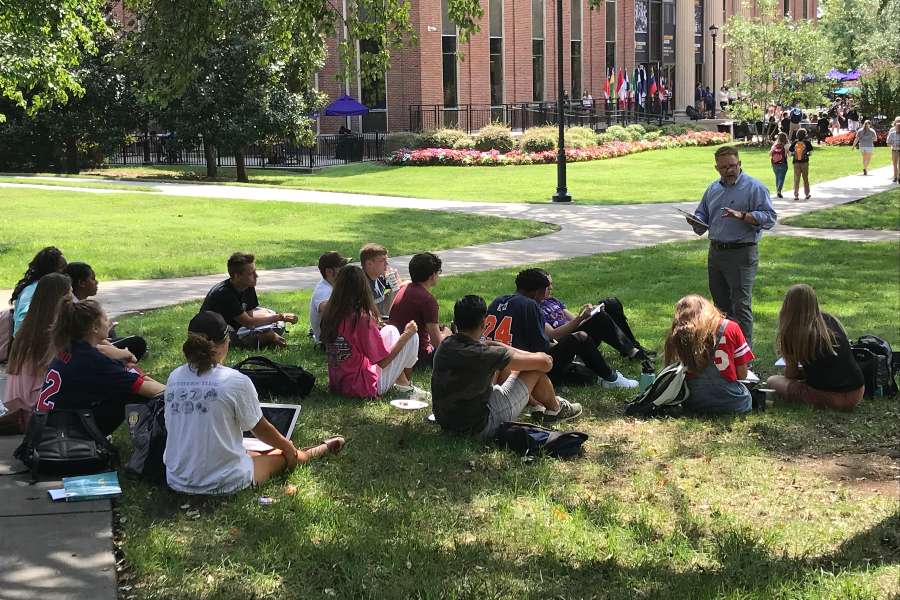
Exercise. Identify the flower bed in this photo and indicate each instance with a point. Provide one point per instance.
(465, 158)
(846, 139)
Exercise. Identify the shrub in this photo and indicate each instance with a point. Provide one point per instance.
(674, 129)
(494, 137)
(651, 136)
(605, 138)
(636, 131)
(442, 138)
(581, 137)
(619, 133)
(403, 139)
(538, 139)
(464, 143)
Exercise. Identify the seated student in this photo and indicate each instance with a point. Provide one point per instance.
(82, 377)
(604, 322)
(465, 370)
(415, 303)
(517, 320)
(208, 407)
(383, 280)
(364, 362)
(84, 285)
(31, 352)
(235, 299)
(819, 369)
(715, 353)
(329, 264)
(48, 260)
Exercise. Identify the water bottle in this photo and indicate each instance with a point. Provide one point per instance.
(879, 391)
(648, 375)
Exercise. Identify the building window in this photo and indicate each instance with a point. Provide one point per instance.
(787, 8)
(537, 50)
(496, 51)
(577, 86)
(448, 52)
(610, 34)
(805, 9)
(373, 93)
(655, 30)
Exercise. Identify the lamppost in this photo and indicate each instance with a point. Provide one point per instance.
(714, 31)
(562, 194)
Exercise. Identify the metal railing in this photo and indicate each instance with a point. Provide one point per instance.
(522, 116)
(328, 150)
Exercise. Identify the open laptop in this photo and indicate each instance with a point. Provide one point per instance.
(282, 416)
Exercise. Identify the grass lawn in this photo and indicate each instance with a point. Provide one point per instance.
(126, 236)
(686, 508)
(880, 211)
(64, 182)
(659, 176)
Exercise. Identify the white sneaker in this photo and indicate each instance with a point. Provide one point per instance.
(415, 393)
(751, 377)
(619, 382)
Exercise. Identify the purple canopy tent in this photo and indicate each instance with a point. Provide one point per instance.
(851, 75)
(345, 106)
(835, 74)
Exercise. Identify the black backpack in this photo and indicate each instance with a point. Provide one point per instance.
(147, 427)
(665, 397)
(65, 442)
(273, 379)
(533, 440)
(878, 364)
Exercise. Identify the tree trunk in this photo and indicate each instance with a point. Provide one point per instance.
(240, 167)
(72, 155)
(147, 142)
(212, 166)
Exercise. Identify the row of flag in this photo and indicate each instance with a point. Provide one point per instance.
(639, 87)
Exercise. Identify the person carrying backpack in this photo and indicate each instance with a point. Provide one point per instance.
(796, 117)
(800, 150)
(778, 156)
(820, 369)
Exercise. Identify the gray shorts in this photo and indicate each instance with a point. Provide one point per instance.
(507, 402)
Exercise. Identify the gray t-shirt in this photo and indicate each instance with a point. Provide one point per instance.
(321, 293)
(461, 382)
(866, 139)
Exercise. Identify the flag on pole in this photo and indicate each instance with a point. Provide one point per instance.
(614, 92)
(623, 86)
(652, 87)
(606, 87)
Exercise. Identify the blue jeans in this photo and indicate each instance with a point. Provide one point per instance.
(712, 394)
(780, 173)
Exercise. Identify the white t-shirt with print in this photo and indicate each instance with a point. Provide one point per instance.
(206, 416)
(321, 293)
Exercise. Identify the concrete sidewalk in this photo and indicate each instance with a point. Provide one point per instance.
(51, 551)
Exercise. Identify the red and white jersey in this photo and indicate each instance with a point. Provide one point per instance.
(732, 350)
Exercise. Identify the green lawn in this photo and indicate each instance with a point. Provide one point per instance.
(687, 508)
(880, 211)
(126, 236)
(659, 176)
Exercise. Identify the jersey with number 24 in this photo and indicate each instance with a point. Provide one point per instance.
(517, 321)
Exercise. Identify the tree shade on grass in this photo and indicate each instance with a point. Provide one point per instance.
(879, 211)
(148, 236)
(659, 176)
(683, 508)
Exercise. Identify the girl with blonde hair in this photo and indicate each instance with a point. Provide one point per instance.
(865, 141)
(715, 353)
(819, 369)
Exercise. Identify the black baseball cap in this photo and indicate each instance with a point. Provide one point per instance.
(210, 324)
(332, 260)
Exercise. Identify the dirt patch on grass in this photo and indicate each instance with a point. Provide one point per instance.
(874, 474)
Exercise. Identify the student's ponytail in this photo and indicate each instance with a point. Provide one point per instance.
(199, 350)
(74, 321)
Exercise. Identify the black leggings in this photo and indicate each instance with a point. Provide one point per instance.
(610, 325)
(133, 343)
(110, 414)
(577, 344)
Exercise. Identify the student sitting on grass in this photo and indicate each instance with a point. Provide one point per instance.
(820, 369)
(31, 352)
(235, 299)
(364, 362)
(466, 399)
(383, 279)
(329, 265)
(82, 377)
(84, 285)
(208, 407)
(414, 302)
(517, 320)
(48, 260)
(715, 353)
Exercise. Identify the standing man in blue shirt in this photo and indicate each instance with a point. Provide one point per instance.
(736, 209)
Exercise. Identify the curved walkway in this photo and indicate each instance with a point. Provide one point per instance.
(584, 230)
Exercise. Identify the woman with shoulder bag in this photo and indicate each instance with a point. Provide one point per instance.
(715, 353)
(778, 156)
(208, 407)
(820, 370)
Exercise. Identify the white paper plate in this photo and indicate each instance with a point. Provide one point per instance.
(408, 404)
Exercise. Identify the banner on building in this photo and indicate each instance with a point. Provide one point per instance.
(641, 31)
(698, 31)
(668, 32)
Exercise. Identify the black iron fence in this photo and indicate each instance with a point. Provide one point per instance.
(328, 150)
(597, 114)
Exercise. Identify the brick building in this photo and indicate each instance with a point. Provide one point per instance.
(512, 59)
